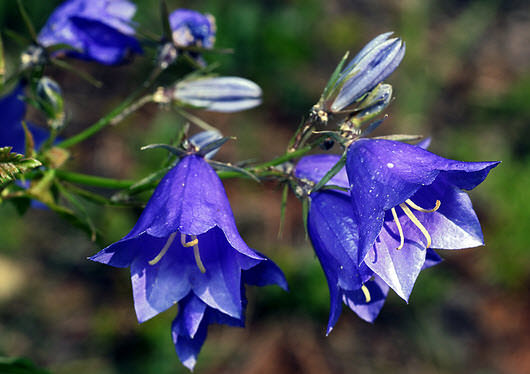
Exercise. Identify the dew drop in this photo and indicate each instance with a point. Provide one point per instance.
(390, 165)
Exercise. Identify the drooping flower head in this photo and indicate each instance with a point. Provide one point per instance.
(406, 199)
(13, 110)
(373, 64)
(98, 30)
(334, 234)
(185, 249)
(191, 28)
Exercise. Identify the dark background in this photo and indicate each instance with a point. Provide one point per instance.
(465, 81)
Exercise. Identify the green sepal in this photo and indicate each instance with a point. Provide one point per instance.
(331, 173)
(174, 150)
(12, 163)
(400, 137)
(334, 77)
(374, 125)
(214, 145)
(61, 47)
(230, 167)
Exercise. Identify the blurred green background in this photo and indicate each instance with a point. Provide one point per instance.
(465, 81)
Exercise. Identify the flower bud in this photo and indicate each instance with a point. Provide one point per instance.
(218, 94)
(374, 63)
(191, 28)
(50, 100)
(373, 104)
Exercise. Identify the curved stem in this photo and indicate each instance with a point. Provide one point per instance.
(95, 181)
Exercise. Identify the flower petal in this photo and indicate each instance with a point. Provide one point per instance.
(314, 167)
(399, 268)
(384, 173)
(356, 300)
(454, 225)
(190, 199)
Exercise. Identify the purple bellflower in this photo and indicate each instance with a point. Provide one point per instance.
(373, 64)
(13, 110)
(98, 30)
(185, 249)
(191, 28)
(389, 180)
(334, 234)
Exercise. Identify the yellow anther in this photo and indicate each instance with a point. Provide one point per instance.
(420, 209)
(164, 250)
(198, 260)
(418, 224)
(401, 236)
(366, 293)
(193, 242)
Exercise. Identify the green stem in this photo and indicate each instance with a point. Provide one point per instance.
(95, 181)
(92, 180)
(96, 127)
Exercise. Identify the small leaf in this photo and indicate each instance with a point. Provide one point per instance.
(27, 21)
(285, 194)
(12, 163)
(331, 173)
(83, 75)
(30, 143)
(164, 15)
(17, 365)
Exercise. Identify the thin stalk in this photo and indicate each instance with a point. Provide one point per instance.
(92, 180)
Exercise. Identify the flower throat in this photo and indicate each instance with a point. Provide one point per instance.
(405, 207)
(193, 243)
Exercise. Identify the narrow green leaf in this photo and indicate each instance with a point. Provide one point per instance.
(306, 205)
(83, 75)
(12, 163)
(27, 21)
(87, 221)
(164, 15)
(285, 194)
(331, 173)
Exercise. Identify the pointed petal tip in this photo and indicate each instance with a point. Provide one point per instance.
(328, 330)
